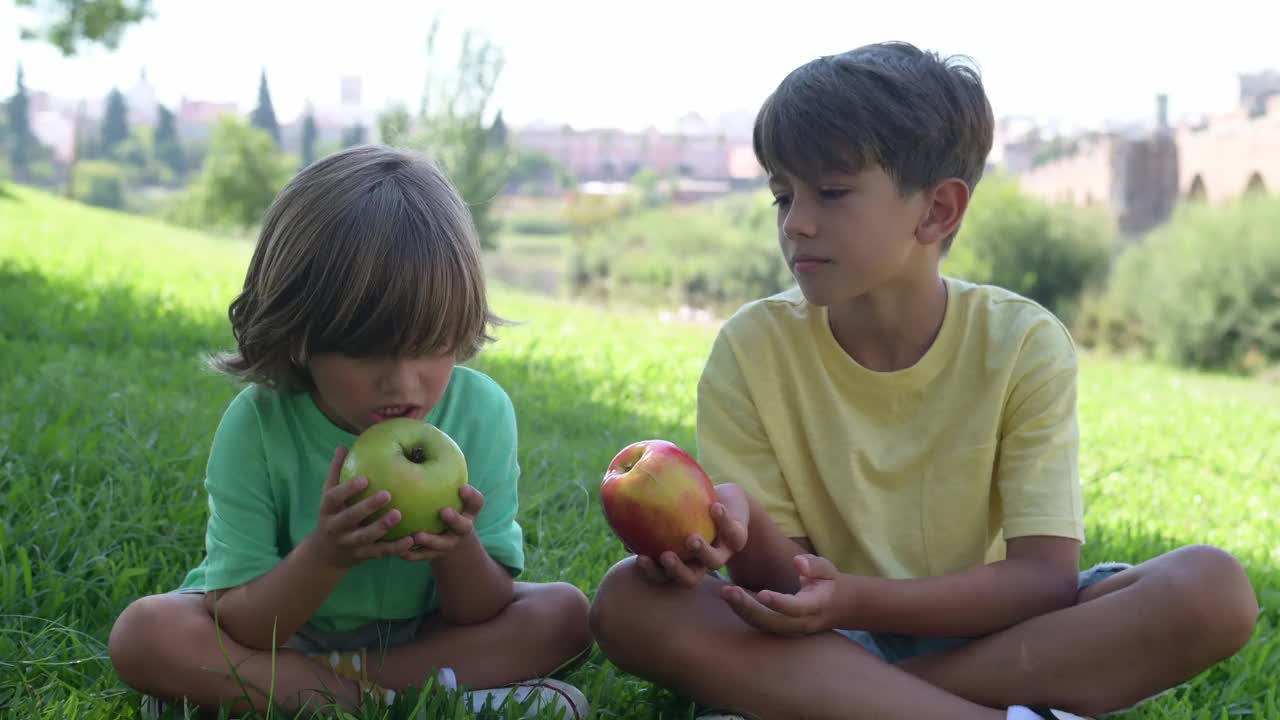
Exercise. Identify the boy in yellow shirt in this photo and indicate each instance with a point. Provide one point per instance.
(895, 455)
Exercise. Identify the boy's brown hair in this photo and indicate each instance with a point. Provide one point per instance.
(367, 252)
(920, 117)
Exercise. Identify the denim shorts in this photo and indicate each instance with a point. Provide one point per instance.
(895, 648)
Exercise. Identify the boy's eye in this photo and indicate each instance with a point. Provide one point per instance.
(781, 200)
(834, 193)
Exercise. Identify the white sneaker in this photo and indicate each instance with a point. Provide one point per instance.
(1019, 712)
(546, 694)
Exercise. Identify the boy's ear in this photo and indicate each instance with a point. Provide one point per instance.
(945, 205)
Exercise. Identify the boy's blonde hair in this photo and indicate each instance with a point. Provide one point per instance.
(367, 252)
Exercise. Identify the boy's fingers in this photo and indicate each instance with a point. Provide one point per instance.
(385, 548)
(335, 467)
(336, 498)
(753, 613)
(435, 543)
(459, 523)
(729, 532)
(707, 553)
(816, 567)
(355, 514)
(681, 572)
(374, 531)
(472, 500)
(651, 571)
(798, 605)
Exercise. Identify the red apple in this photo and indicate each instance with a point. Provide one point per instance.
(655, 496)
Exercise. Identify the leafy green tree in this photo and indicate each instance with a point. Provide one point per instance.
(69, 24)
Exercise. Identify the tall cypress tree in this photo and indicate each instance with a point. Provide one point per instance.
(264, 116)
(21, 140)
(115, 123)
(308, 138)
(168, 147)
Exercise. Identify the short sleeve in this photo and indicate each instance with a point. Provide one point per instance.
(732, 444)
(241, 535)
(1037, 470)
(494, 470)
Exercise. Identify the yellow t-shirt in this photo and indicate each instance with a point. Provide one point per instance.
(912, 473)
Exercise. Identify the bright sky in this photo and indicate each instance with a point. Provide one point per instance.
(633, 64)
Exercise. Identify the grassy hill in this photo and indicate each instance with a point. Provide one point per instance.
(106, 416)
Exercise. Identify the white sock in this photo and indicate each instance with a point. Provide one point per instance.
(1018, 712)
(447, 679)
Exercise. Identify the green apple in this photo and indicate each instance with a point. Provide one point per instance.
(418, 463)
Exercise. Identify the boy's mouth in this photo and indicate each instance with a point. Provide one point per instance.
(808, 263)
(386, 412)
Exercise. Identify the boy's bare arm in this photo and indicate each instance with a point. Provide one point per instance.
(471, 585)
(269, 609)
(766, 563)
(1039, 575)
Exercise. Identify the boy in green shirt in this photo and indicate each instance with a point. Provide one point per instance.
(364, 293)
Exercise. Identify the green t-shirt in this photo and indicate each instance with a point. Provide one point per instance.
(266, 474)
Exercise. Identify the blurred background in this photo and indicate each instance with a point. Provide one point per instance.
(605, 147)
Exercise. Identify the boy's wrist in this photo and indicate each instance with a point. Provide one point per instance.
(854, 595)
(316, 561)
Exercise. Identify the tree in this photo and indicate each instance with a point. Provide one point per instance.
(21, 140)
(453, 130)
(393, 124)
(264, 116)
(308, 138)
(353, 135)
(115, 123)
(498, 132)
(242, 174)
(68, 23)
(168, 147)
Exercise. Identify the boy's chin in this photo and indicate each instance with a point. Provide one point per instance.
(814, 295)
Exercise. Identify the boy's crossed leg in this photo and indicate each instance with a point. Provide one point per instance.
(1129, 637)
(168, 646)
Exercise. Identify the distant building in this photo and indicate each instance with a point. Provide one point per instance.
(707, 160)
(1140, 174)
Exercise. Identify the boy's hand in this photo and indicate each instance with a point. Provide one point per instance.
(340, 538)
(732, 515)
(811, 610)
(425, 546)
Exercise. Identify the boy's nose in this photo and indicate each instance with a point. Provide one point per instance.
(798, 224)
(400, 376)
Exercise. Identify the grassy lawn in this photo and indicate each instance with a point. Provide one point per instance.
(106, 415)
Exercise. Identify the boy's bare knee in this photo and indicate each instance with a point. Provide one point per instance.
(133, 644)
(1218, 596)
(562, 611)
(611, 613)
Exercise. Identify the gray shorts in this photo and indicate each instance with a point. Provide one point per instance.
(379, 634)
(895, 648)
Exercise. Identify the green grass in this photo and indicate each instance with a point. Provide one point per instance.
(106, 416)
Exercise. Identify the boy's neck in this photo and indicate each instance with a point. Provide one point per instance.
(893, 327)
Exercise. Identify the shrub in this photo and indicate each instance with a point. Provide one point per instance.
(99, 183)
(1048, 253)
(1202, 291)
